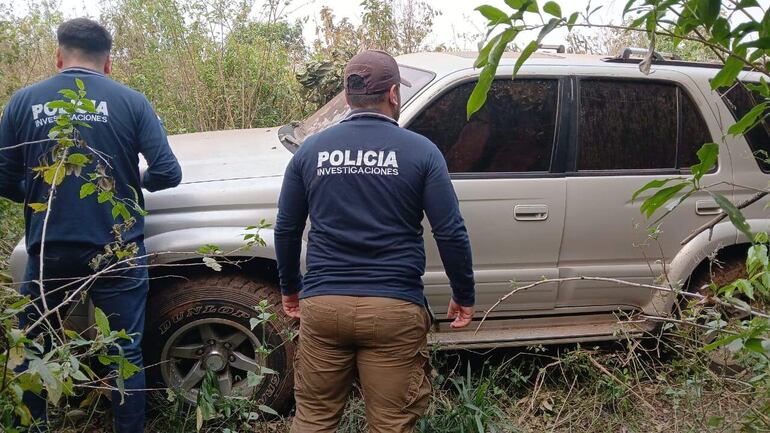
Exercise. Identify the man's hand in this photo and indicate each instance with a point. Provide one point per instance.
(462, 315)
(291, 305)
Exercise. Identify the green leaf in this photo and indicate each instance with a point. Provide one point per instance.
(54, 175)
(102, 324)
(526, 5)
(493, 14)
(654, 184)
(104, 196)
(548, 28)
(71, 334)
(78, 159)
(743, 4)
(762, 43)
(87, 189)
(128, 369)
(720, 33)
(121, 209)
(479, 95)
(744, 286)
(735, 215)
(38, 207)
(79, 83)
(756, 345)
(744, 29)
(708, 155)
(749, 120)
(660, 198)
(87, 105)
(69, 94)
(483, 58)
(757, 259)
(708, 11)
(552, 8)
(627, 7)
(729, 72)
(721, 342)
(525, 54)
(572, 20)
(55, 105)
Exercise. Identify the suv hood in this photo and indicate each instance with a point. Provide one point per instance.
(229, 155)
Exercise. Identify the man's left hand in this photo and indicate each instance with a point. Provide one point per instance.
(291, 305)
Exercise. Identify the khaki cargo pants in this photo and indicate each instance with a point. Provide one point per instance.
(382, 340)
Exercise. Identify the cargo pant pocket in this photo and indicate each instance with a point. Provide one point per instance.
(420, 387)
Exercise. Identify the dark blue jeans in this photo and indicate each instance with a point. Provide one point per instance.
(122, 295)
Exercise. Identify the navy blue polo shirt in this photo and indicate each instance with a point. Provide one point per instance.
(367, 184)
(124, 126)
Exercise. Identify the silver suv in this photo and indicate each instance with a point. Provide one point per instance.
(544, 173)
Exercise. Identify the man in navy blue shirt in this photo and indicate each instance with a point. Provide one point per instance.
(123, 126)
(366, 185)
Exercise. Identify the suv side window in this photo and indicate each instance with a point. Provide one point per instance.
(513, 133)
(637, 125)
(740, 100)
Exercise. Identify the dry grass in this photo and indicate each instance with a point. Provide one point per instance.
(638, 386)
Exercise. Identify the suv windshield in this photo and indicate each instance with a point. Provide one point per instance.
(337, 108)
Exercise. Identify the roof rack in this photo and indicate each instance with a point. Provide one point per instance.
(636, 55)
(627, 52)
(560, 49)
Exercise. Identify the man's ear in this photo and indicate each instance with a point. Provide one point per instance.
(394, 97)
(108, 66)
(59, 59)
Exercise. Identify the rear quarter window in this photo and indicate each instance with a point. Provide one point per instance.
(740, 100)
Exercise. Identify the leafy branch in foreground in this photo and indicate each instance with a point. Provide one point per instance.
(57, 367)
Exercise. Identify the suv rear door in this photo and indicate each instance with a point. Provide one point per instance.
(510, 191)
(625, 133)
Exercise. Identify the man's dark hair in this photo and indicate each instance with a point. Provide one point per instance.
(89, 39)
(356, 82)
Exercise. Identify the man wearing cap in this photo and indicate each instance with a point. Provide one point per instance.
(366, 184)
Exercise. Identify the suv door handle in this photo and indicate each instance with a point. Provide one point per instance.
(530, 212)
(707, 207)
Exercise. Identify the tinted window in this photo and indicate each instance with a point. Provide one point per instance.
(741, 100)
(514, 132)
(631, 125)
(693, 134)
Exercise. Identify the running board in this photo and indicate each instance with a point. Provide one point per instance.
(537, 330)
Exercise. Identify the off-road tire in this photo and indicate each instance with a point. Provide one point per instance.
(223, 297)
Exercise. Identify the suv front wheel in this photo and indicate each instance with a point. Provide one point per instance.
(203, 324)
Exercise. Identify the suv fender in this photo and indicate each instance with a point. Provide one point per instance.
(178, 245)
(693, 254)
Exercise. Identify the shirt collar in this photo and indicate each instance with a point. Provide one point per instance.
(361, 113)
(80, 70)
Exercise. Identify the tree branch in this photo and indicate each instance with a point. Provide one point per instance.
(693, 295)
(716, 220)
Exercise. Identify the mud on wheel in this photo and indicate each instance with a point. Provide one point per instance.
(203, 324)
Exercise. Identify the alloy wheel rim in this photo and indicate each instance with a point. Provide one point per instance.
(222, 346)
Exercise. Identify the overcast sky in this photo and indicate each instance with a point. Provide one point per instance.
(457, 17)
